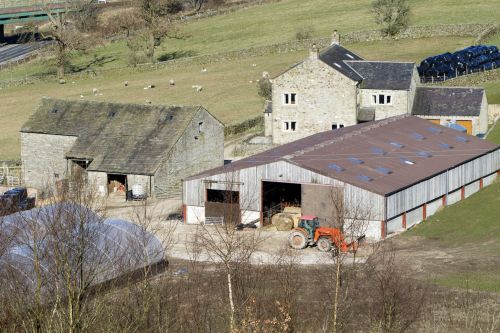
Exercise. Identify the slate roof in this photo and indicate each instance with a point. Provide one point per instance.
(118, 138)
(383, 74)
(444, 101)
(335, 55)
(380, 145)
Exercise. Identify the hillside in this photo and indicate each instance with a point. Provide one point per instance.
(229, 88)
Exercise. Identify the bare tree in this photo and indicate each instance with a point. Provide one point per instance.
(159, 25)
(351, 216)
(393, 16)
(64, 32)
(228, 247)
(395, 301)
(197, 4)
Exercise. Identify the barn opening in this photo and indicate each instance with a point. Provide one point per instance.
(276, 196)
(117, 183)
(78, 167)
(222, 206)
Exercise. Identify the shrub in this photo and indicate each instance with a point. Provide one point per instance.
(304, 33)
(265, 88)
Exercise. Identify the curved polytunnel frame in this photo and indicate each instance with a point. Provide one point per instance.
(116, 246)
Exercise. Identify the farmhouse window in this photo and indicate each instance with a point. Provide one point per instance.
(289, 126)
(381, 99)
(337, 126)
(290, 98)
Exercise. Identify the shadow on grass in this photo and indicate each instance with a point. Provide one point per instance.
(97, 61)
(176, 55)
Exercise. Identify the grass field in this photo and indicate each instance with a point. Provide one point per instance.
(227, 92)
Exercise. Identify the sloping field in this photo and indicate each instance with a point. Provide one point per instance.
(229, 87)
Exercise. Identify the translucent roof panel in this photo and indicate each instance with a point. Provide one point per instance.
(336, 167)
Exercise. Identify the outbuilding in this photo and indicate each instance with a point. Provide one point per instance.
(400, 170)
(124, 144)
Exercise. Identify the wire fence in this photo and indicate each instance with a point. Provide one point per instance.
(10, 175)
(444, 77)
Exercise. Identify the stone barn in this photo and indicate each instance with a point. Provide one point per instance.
(387, 175)
(127, 144)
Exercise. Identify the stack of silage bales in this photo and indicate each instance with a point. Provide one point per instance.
(469, 60)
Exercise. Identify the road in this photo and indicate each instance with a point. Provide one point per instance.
(18, 51)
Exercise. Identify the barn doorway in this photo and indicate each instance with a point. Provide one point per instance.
(117, 183)
(222, 206)
(276, 196)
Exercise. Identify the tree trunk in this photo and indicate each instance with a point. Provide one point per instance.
(231, 302)
(336, 297)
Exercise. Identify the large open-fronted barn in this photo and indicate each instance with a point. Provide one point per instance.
(400, 170)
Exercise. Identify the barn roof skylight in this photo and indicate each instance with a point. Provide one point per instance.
(445, 145)
(365, 178)
(378, 151)
(434, 130)
(418, 136)
(424, 154)
(335, 167)
(461, 139)
(355, 160)
(406, 161)
(384, 171)
(396, 144)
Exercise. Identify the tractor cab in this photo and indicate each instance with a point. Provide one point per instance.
(309, 223)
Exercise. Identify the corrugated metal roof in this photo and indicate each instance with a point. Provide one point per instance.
(444, 101)
(328, 152)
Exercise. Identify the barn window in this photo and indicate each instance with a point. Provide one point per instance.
(418, 136)
(111, 114)
(365, 178)
(396, 144)
(289, 126)
(200, 126)
(424, 154)
(290, 98)
(378, 151)
(384, 171)
(381, 99)
(445, 146)
(337, 125)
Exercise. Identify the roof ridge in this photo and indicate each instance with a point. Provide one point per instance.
(383, 61)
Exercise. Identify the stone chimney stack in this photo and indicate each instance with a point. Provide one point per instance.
(314, 52)
(335, 38)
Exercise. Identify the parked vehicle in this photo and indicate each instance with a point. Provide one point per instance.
(309, 233)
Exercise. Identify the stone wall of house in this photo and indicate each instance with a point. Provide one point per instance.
(493, 113)
(43, 158)
(98, 181)
(399, 105)
(483, 116)
(197, 150)
(268, 124)
(323, 96)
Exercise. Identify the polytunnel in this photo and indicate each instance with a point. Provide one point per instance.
(34, 241)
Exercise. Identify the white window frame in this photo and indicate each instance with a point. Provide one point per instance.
(288, 97)
(339, 126)
(375, 99)
(287, 126)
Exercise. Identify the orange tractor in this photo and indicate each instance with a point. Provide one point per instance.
(310, 233)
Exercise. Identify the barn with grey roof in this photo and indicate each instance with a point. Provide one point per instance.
(128, 144)
(400, 170)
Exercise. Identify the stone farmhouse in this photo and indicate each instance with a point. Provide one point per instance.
(336, 88)
(153, 146)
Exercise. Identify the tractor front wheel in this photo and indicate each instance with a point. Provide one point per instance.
(297, 240)
(324, 244)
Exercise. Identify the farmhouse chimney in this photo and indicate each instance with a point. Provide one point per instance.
(335, 38)
(314, 52)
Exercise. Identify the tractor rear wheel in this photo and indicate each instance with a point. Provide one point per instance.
(297, 240)
(324, 244)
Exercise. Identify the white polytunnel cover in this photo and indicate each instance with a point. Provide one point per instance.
(36, 243)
